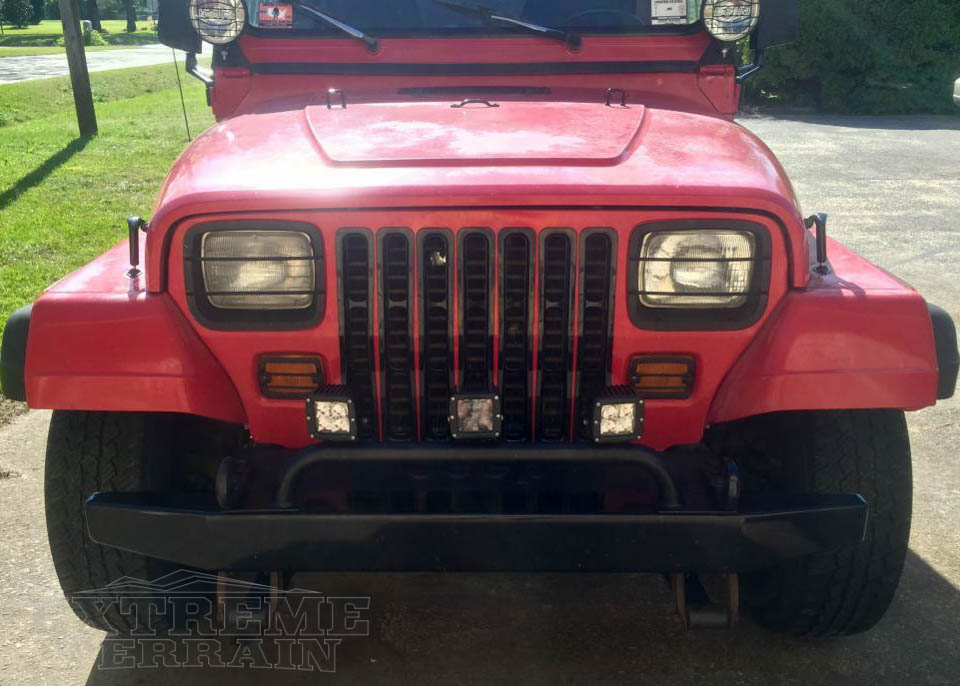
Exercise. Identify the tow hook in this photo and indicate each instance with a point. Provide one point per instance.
(697, 610)
(256, 602)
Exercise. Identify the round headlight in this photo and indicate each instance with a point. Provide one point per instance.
(218, 21)
(731, 20)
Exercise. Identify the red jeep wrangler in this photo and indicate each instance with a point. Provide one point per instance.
(462, 287)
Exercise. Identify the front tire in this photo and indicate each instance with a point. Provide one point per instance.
(845, 591)
(100, 451)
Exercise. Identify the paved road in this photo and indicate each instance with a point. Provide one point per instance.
(13, 69)
(892, 188)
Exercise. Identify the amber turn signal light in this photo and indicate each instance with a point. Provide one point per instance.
(290, 376)
(658, 376)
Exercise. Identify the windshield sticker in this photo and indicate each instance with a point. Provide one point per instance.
(276, 15)
(668, 11)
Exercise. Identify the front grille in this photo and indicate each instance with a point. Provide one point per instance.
(543, 299)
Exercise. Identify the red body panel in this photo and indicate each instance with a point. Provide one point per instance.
(711, 89)
(825, 346)
(99, 341)
(856, 338)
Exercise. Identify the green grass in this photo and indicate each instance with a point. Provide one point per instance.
(30, 52)
(41, 39)
(21, 102)
(65, 199)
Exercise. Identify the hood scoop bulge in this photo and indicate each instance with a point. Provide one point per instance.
(474, 133)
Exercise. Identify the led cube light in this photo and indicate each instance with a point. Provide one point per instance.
(331, 415)
(617, 416)
(475, 416)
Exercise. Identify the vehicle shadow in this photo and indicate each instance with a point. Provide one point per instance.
(573, 628)
(47, 167)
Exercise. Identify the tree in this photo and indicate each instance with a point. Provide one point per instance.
(93, 12)
(17, 12)
(131, 16)
(39, 10)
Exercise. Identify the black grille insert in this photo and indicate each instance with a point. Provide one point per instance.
(595, 322)
(516, 292)
(556, 297)
(436, 349)
(396, 344)
(356, 325)
(476, 281)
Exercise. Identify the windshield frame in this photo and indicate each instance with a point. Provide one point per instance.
(321, 32)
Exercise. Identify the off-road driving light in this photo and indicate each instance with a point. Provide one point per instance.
(731, 20)
(258, 270)
(696, 268)
(475, 416)
(617, 415)
(331, 415)
(218, 21)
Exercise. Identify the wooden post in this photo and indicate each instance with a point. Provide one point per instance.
(77, 60)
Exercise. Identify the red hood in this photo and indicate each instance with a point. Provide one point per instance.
(519, 153)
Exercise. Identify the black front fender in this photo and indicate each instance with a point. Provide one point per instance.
(13, 354)
(948, 359)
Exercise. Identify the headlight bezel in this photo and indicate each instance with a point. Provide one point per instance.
(264, 319)
(692, 318)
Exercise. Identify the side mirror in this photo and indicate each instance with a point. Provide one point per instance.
(779, 23)
(174, 28)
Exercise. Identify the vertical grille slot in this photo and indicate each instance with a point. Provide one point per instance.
(595, 321)
(396, 349)
(436, 350)
(556, 297)
(354, 269)
(516, 282)
(476, 356)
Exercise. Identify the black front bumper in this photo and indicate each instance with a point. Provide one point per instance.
(654, 542)
(670, 537)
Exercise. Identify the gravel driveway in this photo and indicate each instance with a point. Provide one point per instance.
(892, 188)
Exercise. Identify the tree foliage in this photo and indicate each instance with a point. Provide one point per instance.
(867, 56)
(17, 12)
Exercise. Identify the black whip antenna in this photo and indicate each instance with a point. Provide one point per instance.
(183, 104)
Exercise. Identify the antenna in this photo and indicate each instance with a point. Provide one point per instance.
(183, 104)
